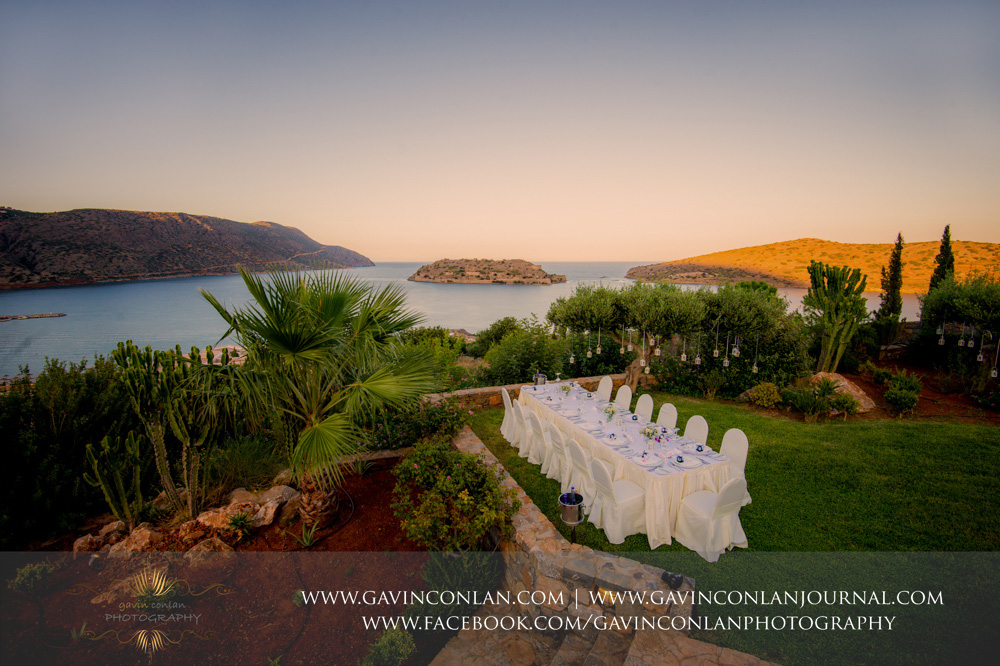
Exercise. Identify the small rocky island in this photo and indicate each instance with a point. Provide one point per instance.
(485, 271)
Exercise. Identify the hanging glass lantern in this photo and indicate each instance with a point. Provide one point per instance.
(630, 345)
(941, 340)
(589, 354)
(684, 357)
(598, 340)
(598, 350)
(736, 351)
(697, 360)
(642, 362)
(656, 351)
(961, 342)
(754, 369)
(980, 357)
(994, 373)
(646, 370)
(621, 350)
(725, 362)
(972, 343)
(940, 329)
(716, 353)
(572, 360)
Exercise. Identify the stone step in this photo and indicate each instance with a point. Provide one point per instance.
(574, 650)
(610, 649)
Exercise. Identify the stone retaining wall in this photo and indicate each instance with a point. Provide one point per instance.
(489, 396)
(540, 558)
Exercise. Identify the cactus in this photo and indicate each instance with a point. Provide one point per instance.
(169, 391)
(836, 297)
(112, 466)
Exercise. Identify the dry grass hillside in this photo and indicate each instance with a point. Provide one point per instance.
(785, 264)
(485, 271)
(96, 245)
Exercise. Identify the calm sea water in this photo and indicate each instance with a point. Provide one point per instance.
(162, 313)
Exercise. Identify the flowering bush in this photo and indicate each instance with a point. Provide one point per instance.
(451, 501)
(402, 428)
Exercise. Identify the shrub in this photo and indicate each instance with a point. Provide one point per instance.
(881, 375)
(451, 501)
(520, 354)
(901, 401)
(809, 400)
(244, 462)
(711, 382)
(399, 428)
(491, 335)
(867, 369)
(30, 575)
(845, 403)
(906, 382)
(390, 649)
(990, 400)
(764, 395)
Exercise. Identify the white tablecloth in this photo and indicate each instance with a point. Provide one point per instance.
(664, 487)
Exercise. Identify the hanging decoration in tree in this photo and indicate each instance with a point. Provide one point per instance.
(621, 349)
(642, 358)
(656, 339)
(961, 339)
(982, 343)
(697, 357)
(586, 333)
(598, 350)
(716, 352)
(941, 333)
(725, 361)
(684, 356)
(630, 332)
(940, 329)
(994, 373)
(756, 355)
(736, 347)
(972, 338)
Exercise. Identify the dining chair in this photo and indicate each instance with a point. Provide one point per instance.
(644, 407)
(624, 397)
(604, 389)
(736, 446)
(507, 426)
(536, 439)
(580, 476)
(709, 523)
(555, 464)
(619, 506)
(667, 416)
(543, 444)
(520, 430)
(697, 429)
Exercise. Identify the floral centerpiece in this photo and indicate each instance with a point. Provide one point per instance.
(610, 410)
(566, 388)
(649, 431)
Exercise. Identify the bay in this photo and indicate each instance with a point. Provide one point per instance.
(163, 313)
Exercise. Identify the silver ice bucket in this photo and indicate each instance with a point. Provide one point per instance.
(571, 508)
(540, 379)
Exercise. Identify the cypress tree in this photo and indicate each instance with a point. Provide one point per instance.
(892, 283)
(945, 260)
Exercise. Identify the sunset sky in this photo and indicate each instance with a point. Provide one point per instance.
(539, 130)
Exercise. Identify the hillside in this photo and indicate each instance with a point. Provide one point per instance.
(96, 245)
(785, 264)
(485, 271)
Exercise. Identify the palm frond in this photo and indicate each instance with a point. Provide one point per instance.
(321, 450)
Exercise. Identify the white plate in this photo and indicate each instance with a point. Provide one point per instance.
(652, 460)
(590, 426)
(689, 463)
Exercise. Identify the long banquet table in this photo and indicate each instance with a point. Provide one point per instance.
(578, 415)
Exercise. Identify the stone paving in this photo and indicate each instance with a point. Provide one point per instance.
(539, 558)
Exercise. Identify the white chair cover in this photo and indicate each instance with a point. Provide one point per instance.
(697, 429)
(520, 430)
(580, 477)
(668, 416)
(735, 446)
(556, 464)
(604, 389)
(624, 397)
(709, 523)
(644, 407)
(543, 445)
(507, 427)
(535, 446)
(619, 506)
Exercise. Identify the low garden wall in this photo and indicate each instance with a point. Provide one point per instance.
(489, 396)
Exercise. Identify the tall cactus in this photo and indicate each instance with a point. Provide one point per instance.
(836, 299)
(115, 463)
(170, 394)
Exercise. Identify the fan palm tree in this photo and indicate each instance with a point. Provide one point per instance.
(322, 354)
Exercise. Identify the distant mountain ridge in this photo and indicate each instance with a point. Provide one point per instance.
(98, 245)
(785, 264)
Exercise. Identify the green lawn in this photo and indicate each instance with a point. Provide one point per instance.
(863, 505)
